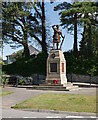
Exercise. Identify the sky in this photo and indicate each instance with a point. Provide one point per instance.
(53, 18)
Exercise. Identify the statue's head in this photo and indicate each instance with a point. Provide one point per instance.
(57, 26)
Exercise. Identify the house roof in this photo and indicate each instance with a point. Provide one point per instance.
(33, 51)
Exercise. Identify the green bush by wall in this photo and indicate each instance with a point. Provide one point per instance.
(80, 65)
(27, 67)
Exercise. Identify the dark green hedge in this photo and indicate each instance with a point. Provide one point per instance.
(27, 67)
(80, 65)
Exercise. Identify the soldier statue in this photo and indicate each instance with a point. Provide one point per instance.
(56, 37)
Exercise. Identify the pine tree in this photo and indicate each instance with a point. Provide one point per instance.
(69, 20)
(88, 12)
(16, 24)
(78, 13)
(39, 8)
(26, 20)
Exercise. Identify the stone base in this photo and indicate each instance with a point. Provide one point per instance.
(51, 82)
(65, 87)
(56, 68)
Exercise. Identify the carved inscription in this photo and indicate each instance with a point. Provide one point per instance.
(53, 67)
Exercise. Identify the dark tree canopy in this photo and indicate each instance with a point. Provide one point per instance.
(79, 14)
(18, 21)
(23, 23)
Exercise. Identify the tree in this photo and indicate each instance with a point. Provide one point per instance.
(95, 41)
(17, 21)
(39, 8)
(78, 13)
(1, 62)
(44, 46)
(89, 13)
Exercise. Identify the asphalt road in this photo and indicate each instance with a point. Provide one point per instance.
(11, 113)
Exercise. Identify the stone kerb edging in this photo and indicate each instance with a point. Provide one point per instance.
(62, 112)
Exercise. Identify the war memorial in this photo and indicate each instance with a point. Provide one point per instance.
(56, 63)
(56, 66)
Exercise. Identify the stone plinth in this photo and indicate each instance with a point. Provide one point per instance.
(56, 68)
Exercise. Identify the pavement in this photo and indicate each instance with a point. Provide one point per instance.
(85, 84)
(21, 94)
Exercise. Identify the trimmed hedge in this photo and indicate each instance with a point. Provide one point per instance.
(27, 67)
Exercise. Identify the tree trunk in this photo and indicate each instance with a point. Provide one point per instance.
(84, 51)
(44, 45)
(83, 43)
(26, 48)
(89, 41)
(26, 51)
(97, 45)
(75, 35)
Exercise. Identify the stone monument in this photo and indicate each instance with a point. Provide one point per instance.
(56, 63)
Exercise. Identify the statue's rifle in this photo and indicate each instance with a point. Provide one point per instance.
(62, 42)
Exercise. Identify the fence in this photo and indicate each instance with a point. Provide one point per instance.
(40, 79)
(82, 78)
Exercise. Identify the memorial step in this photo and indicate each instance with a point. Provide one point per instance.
(54, 88)
(50, 85)
(67, 87)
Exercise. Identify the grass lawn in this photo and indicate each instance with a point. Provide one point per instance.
(5, 93)
(62, 102)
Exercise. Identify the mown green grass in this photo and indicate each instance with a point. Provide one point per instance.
(5, 93)
(62, 102)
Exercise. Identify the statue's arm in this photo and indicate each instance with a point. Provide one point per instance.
(53, 27)
(62, 35)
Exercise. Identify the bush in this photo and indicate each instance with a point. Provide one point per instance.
(27, 66)
(4, 79)
(81, 65)
(21, 82)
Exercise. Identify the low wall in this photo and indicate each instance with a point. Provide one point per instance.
(36, 79)
(82, 78)
(70, 78)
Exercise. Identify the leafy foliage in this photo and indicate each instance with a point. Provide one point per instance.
(81, 65)
(22, 21)
(4, 79)
(1, 61)
(27, 66)
(17, 24)
(21, 82)
(87, 13)
(81, 14)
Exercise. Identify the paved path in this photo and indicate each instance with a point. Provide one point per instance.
(18, 96)
(21, 94)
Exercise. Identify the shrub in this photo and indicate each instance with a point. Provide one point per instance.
(80, 65)
(21, 82)
(27, 66)
(4, 79)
